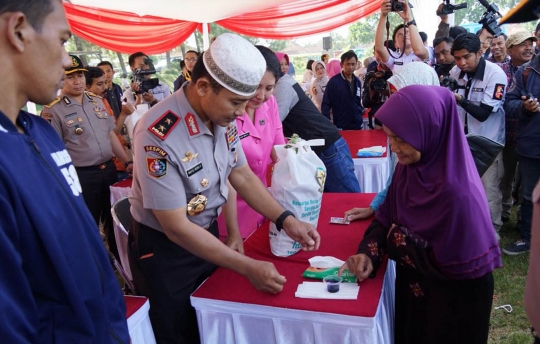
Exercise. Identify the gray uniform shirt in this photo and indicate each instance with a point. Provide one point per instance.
(177, 157)
(67, 116)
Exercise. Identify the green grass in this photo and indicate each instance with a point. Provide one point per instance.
(511, 328)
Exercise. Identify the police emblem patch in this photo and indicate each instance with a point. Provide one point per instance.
(157, 167)
(498, 93)
(163, 126)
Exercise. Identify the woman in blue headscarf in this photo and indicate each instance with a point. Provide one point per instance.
(434, 223)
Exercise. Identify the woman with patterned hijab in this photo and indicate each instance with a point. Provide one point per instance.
(318, 84)
(434, 223)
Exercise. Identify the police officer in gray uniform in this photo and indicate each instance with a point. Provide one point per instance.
(81, 120)
(185, 148)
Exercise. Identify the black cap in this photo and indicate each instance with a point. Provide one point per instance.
(76, 65)
(525, 11)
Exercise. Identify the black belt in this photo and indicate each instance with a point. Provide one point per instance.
(96, 167)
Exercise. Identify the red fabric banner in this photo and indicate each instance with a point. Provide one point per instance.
(128, 32)
(300, 18)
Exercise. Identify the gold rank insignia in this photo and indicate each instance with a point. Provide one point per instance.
(163, 126)
(53, 102)
(78, 130)
(204, 182)
(189, 156)
(197, 205)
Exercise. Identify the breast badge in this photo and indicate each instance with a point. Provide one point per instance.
(204, 182)
(78, 130)
(189, 156)
(197, 205)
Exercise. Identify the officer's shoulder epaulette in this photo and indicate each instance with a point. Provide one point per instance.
(92, 94)
(53, 102)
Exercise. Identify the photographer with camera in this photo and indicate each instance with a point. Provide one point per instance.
(406, 37)
(482, 86)
(375, 90)
(442, 47)
(144, 89)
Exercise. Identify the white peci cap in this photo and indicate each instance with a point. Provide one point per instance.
(235, 64)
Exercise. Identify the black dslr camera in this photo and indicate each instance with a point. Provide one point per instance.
(449, 83)
(398, 6)
(377, 85)
(145, 85)
(490, 17)
(449, 8)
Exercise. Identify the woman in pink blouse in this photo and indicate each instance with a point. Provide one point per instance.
(259, 130)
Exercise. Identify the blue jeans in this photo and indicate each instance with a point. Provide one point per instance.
(530, 173)
(340, 176)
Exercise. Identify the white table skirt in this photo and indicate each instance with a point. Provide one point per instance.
(139, 326)
(372, 173)
(231, 322)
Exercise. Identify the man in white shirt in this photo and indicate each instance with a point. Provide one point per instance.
(480, 99)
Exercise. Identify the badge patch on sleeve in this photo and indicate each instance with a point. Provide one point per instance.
(155, 149)
(499, 91)
(157, 167)
(164, 125)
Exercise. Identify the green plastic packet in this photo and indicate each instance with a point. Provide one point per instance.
(320, 273)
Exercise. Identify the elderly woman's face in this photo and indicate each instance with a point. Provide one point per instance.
(284, 65)
(405, 153)
(319, 71)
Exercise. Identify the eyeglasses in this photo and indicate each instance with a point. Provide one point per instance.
(193, 59)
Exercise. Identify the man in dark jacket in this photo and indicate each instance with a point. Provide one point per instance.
(522, 103)
(342, 96)
(56, 281)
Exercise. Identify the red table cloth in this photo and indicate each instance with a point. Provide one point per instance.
(358, 139)
(339, 241)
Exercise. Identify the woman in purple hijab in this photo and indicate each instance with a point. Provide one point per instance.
(434, 223)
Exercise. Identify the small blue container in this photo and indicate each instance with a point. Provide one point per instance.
(332, 283)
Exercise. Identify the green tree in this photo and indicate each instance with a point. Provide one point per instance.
(475, 10)
(277, 44)
(362, 33)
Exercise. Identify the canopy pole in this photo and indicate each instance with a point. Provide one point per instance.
(206, 40)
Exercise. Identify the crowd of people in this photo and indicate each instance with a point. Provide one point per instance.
(207, 147)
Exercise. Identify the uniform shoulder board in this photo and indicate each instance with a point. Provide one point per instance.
(53, 102)
(92, 94)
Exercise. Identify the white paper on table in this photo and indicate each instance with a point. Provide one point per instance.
(317, 290)
(325, 262)
(132, 119)
(372, 151)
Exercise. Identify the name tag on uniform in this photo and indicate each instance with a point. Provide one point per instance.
(194, 169)
(399, 63)
(244, 135)
(476, 89)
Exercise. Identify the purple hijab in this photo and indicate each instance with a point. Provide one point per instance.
(440, 197)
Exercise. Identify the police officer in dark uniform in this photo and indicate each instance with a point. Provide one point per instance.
(186, 148)
(82, 121)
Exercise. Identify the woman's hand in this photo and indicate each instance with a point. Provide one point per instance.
(358, 214)
(235, 242)
(359, 265)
